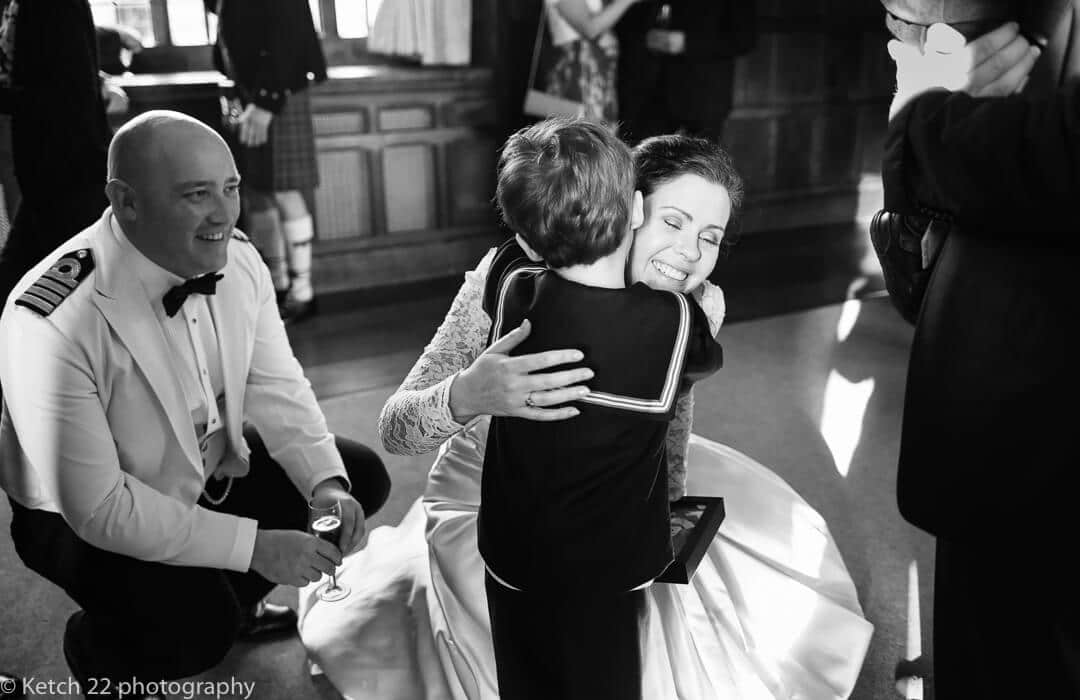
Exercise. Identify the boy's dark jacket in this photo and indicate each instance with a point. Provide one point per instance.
(583, 502)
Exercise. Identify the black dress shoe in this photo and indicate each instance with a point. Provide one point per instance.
(70, 653)
(267, 620)
(919, 667)
(71, 656)
(293, 311)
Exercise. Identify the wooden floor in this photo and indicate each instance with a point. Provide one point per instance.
(812, 387)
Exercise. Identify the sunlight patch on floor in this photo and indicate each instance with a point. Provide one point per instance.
(849, 314)
(912, 688)
(842, 417)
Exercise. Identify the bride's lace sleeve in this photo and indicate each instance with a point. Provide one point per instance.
(711, 299)
(678, 437)
(416, 419)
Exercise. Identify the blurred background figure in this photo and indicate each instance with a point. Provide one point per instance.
(116, 45)
(980, 185)
(586, 53)
(9, 189)
(269, 48)
(433, 32)
(677, 65)
(59, 130)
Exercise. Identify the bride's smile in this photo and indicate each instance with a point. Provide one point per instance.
(677, 246)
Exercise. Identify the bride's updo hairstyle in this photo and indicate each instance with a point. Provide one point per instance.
(660, 159)
(566, 185)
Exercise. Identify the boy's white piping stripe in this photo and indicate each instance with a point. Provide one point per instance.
(671, 383)
(674, 372)
(505, 284)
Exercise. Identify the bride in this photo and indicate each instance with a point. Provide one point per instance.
(760, 619)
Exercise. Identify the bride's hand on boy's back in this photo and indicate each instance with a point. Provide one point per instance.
(500, 385)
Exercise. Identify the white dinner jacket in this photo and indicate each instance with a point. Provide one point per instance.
(95, 424)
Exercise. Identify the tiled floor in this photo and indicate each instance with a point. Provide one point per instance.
(811, 387)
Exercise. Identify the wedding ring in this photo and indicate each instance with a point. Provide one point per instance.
(529, 400)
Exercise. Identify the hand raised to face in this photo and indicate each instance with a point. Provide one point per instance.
(994, 65)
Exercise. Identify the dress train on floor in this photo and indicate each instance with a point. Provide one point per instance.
(770, 614)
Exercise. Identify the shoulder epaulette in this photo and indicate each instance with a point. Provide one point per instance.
(60, 280)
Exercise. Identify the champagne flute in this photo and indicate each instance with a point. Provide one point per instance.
(324, 521)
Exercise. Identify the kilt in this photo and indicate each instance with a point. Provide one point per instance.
(287, 160)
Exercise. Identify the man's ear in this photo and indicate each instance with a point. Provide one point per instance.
(637, 211)
(121, 198)
(532, 254)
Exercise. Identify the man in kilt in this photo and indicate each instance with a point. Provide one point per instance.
(269, 48)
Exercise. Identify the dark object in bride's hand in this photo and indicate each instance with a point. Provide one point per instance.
(694, 522)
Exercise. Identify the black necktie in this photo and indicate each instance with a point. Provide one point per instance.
(203, 284)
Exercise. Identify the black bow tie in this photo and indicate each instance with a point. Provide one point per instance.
(203, 284)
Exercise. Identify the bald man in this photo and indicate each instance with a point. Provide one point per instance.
(133, 356)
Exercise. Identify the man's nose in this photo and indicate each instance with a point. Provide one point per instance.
(225, 209)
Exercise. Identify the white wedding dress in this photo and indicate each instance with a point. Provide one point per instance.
(771, 612)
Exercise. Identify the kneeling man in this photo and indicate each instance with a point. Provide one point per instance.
(159, 439)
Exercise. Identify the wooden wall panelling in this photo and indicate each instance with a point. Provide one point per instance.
(344, 122)
(471, 176)
(444, 174)
(475, 112)
(411, 196)
(417, 149)
(805, 104)
(417, 258)
(341, 114)
(378, 193)
(343, 201)
(402, 153)
(405, 117)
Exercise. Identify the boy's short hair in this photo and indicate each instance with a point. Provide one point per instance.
(566, 185)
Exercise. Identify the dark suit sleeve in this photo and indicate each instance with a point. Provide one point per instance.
(253, 33)
(255, 62)
(998, 163)
(720, 29)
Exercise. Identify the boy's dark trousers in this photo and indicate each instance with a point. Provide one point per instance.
(566, 645)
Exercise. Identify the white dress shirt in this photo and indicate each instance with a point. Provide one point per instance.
(193, 345)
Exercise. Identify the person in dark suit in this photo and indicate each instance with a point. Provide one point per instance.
(270, 48)
(980, 185)
(677, 65)
(59, 132)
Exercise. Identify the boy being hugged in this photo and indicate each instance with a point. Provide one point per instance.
(574, 519)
